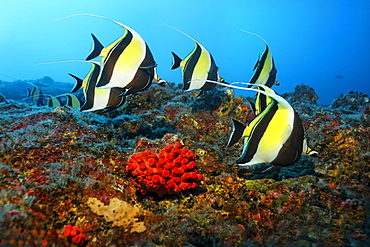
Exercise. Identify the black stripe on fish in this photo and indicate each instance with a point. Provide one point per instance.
(272, 75)
(259, 67)
(111, 59)
(115, 100)
(212, 76)
(144, 76)
(261, 103)
(89, 91)
(190, 65)
(70, 98)
(257, 133)
(292, 148)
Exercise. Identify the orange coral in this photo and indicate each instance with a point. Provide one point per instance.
(74, 234)
(172, 170)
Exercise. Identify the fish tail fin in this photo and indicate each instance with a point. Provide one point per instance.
(311, 152)
(176, 61)
(236, 133)
(28, 92)
(78, 84)
(96, 50)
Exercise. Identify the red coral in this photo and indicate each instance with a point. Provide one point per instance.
(172, 170)
(74, 234)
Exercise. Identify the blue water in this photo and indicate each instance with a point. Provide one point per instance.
(312, 41)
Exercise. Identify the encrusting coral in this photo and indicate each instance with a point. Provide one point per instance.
(119, 212)
(172, 170)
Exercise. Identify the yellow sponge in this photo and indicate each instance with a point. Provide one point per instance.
(119, 212)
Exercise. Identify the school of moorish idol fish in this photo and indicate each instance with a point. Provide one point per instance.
(41, 99)
(275, 136)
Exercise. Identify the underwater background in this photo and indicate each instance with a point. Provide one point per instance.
(323, 44)
(72, 178)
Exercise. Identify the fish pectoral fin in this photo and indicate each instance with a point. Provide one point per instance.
(236, 133)
(97, 48)
(176, 61)
(148, 70)
(148, 67)
(78, 83)
(311, 152)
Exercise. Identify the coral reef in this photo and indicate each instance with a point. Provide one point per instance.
(302, 94)
(352, 101)
(53, 161)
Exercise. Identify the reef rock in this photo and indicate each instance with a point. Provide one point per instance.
(352, 101)
(302, 94)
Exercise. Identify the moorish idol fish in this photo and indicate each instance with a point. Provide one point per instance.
(265, 70)
(198, 67)
(72, 100)
(261, 102)
(127, 63)
(261, 99)
(36, 94)
(276, 136)
(102, 99)
(52, 101)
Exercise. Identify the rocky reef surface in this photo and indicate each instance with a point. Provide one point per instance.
(54, 161)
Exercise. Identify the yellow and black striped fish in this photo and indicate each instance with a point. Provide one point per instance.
(52, 101)
(198, 67)
(265, 70)
(127, 63)
(72, 100)
(276, 136)
(97, 99)
(36, 94)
